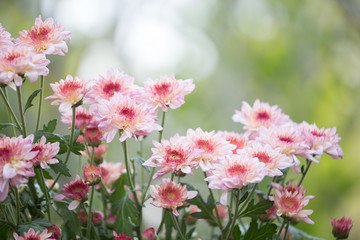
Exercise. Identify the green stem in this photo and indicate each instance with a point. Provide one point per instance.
(270, 186)
(176, 224)
(46, 193)
(286, 230)
(16, 193)
(237, 198)
(11, 112)
(90, 212)
(161, 222)
(21, 112)
(308, 164)
(3, 87)
(162, 125)
(69, 147)
(40, 102)
(281, 228)
(213, 200)
(248, 198)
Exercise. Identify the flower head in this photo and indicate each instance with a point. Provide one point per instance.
(261, 114)
(149, 234)
(114, 82)
(68, 92)
(93, 136)
(83, 117)
(55, 232)
(123, 113)
(111, 220)
(213, 145)
(46, 37)
(111, 172)
(92, 174)
(46, 153)
(17, 61)
(75, 190)
(173, 155)
(239, 140)
(16, 154)
(5, 38)
(341, 227)
(121, 236)
(167, 92)
(32, 235)
(290, 201)
(97, 218)
(235, 172)
(170, 195)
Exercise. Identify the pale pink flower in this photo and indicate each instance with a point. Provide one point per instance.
(75, 190)
(5, 38)
(214, 147)
(123, 113)
(174, 155)
(93, 136)
(92, 174)
(15, 162)
(46, 154)
(320, 141)
(290, 201)
(32, 235)
(46, 37)
(272, 157)
(97, 218)
(111, 172)
(170, 195)
(235, 172)
(261, 114)
(99, 153)
(68, 92)
(17, 61)
(341, 227)
(83, 118)
(237, 139)
(288, 138)
(167, 92)
(114, 82)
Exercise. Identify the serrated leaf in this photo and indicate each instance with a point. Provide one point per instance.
(254, 210)
(77, 147)
(71, 220)
(4, 125)
(140, 161)
(60, 168)
(47, 174)
(199, 201)
(299, 235)
(50, 127)
(126, 215)
(118, 188)
(265, 232)
(199, 215)
(37, 225)
(30, 99)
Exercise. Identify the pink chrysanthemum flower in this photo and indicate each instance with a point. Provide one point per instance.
(122, 113)
(15, 162)
(167, 92)
(46, 154)
(289, 139)
(68, 92)
(55, 232)
(32, 235)
(149, 234)
(93, 136)
(290, 201)
(83, 118)
(46, 37)
(173, 155)
(17, 61)
(99, 153)
(341, 227)
(214, 147)
(121, 236)
(235, 172)
(170, 195)
(320, 141)
(239, 140)
(75, 190)
(92, 174)
(114, 82)
(272, 157)
(261, 114)
(5, 38)
(111, 172)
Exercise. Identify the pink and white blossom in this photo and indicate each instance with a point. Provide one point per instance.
(237, 139)
(32, 235)
(83, 117)
(5, 38)
(46, 153)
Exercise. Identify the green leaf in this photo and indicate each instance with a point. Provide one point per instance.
(236, 232)
(199, 215)
(30, 99)
(4, 230)
(60, 168)
(140, 161)
(77, 147)
(37, 225)
(50, 127)
(126, 215)
(71, 220)
(199, 201)
(265, 232)
(254, 210)
(118, 187)
(190, 233)
(4, 125)
(47, 174)
(299, 235)
(168, 224)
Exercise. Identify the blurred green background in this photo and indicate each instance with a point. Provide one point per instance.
(303, 56)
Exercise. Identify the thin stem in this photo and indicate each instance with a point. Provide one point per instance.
(46, 193)
(286, 229)
(16, 193)
(162, 125)
(3, 87)
(281, 228)
(21, 112)
(237, 198)
(306, 170)
(8, 106)
(248, 198)
(69, 147)
(90, 212)
(40, 102)
(213, 200)
(270, 186)
(161, 222)
(176, 224)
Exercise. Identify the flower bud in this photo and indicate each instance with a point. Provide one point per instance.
(56, 232)
(190, 220)
(93, 136)
(92, 174)
(82, 217)
(149, 234)
(110, 221)
(341, 227)
(97, 218)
